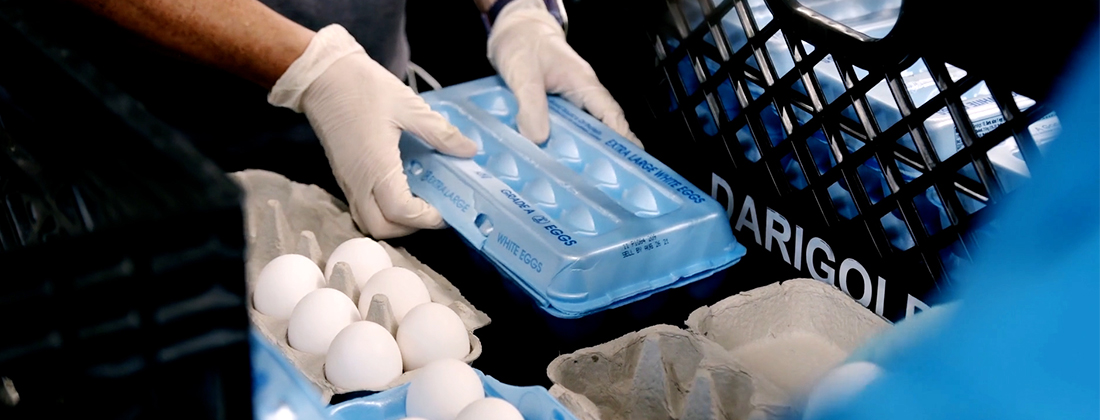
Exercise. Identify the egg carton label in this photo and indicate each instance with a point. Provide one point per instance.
(448, 195)
(621, 147)
(510, 246)
(638, 246)
(538, 219)
(577, 121)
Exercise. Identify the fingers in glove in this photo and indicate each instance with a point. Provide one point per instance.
(526, 81)
(598, 102)
(633, 139)
(419, 119)
(374, 224)
(399, 206)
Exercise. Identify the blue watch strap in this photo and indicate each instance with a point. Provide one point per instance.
(491, 15)
(557, 10)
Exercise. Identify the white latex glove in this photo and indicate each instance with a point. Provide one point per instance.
(358, 110)
(527, 47)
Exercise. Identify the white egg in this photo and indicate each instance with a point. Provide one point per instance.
(363, 356)
(318, 317)
(442, 389)
(489, 409)
(363, 255)
(431, 332)
(403, 287)
(838, 387)
(283, 282)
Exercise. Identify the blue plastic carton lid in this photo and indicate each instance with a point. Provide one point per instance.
(585, 222)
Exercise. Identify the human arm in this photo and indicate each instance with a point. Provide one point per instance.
(484, 5)
(243, 37)
(357, 108)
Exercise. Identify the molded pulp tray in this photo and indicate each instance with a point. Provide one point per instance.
(533, 402)
(585, 222)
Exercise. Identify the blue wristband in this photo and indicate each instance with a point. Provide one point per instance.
(491, 15)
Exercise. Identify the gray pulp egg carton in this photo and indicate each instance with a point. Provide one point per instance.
(790, 332)
(284, 217)
(750, 356)
(662, 372)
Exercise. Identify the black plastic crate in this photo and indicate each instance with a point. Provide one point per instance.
(122, 286)
(819, 179)
(619, 39)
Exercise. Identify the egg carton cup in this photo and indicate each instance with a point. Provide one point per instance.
(662, 372)
(749, 356)
(285, 217)
(791, 332)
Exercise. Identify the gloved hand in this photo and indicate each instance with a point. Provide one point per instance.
(527, 47)
(358, 110)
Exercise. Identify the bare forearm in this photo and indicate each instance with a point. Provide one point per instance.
(244, 37)
(484, 5)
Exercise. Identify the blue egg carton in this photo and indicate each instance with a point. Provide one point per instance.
(279, 390)
(585, 222)
(533, 402)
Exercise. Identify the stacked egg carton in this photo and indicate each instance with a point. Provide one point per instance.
(569, 148)
(283, 217)
(750, 356)
(585, 222)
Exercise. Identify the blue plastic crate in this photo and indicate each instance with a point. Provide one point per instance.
(585, 222)
(533, 402)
